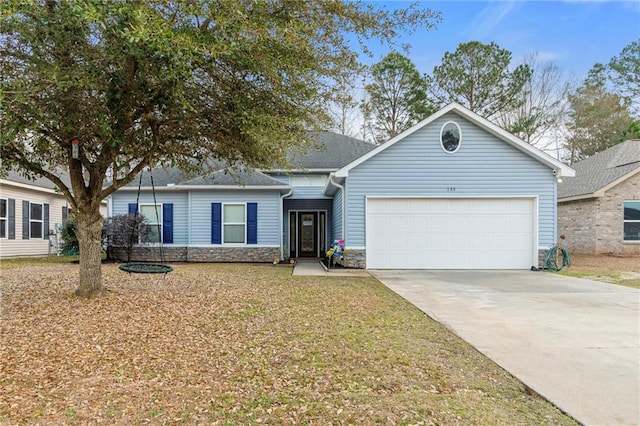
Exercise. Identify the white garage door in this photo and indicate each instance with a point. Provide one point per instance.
(450, 233)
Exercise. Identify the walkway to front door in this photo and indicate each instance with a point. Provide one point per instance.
(307, 233)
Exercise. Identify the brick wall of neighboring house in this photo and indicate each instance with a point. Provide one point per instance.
(610, 218)
(594, 225)
(577, 222)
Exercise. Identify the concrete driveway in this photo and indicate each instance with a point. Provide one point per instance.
(574, 341)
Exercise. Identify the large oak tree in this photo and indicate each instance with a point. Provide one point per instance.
(142, 83)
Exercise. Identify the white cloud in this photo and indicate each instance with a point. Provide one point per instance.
(490, 18)
(546, 56)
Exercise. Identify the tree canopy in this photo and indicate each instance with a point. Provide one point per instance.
(604, 109)
(478, 77)
(541, 106)
(397, 97)
(598, 120)
(159, 81)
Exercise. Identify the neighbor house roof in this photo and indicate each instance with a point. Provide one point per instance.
(329, 152)
(602, 171)
(560, 168)
(38, 183)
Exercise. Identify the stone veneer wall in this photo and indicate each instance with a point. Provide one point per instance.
(355, 258)
(197, 254)
(358, 258)
(595, 225)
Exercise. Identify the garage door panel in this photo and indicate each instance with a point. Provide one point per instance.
(450, 233)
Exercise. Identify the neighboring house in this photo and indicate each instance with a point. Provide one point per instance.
(453, 192)
(31, 212)
(599, 209)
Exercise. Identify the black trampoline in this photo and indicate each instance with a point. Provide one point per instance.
(145, 268)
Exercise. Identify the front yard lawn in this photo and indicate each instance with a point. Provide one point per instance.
(239, 344)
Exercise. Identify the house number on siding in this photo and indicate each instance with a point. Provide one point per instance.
(451, 189)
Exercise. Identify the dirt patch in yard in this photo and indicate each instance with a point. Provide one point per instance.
(239, 344)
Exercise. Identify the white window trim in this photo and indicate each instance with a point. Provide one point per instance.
(244, 243)
(41, 221)
(161, 219)
(6, 219)
(624, 240)
(459, 133)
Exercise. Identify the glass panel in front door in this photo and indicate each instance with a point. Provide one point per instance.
(307, 239)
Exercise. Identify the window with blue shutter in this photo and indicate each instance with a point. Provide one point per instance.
(133, 208)
(216, 223)
(167, 223)
(252, 223)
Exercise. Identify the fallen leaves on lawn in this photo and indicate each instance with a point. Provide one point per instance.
(238, 344)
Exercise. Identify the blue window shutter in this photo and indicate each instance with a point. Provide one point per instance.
(133, 208)
(12, 219)
(45, 221)
(26, 229)
(167, 223)
(252, 223)
(216, 223)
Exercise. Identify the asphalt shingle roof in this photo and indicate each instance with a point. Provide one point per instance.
(330, 151)
(600, 170)
(38, 181)
(236, 176)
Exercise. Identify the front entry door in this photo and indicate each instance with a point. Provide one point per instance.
(308, 232)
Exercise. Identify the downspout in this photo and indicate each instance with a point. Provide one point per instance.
(281, 206)
(341, 187)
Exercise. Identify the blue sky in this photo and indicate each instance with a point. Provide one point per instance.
(575, 34)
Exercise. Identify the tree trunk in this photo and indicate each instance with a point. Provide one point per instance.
(90, 243)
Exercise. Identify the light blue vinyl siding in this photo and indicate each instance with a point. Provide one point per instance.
(308, 193)
(200, 221)
(337, 214)
(121, 200)
(417, 166)
(268, 219)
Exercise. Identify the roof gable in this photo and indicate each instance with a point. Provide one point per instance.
(602, 171)
(561, 169)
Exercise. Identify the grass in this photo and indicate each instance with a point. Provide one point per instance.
(239, 344)
(612, 269)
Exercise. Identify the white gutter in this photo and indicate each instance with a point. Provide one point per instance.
(342, 188)
(207, 187)
(281, 213)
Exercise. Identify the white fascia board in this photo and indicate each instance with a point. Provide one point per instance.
(561, 168)
(287, 171)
